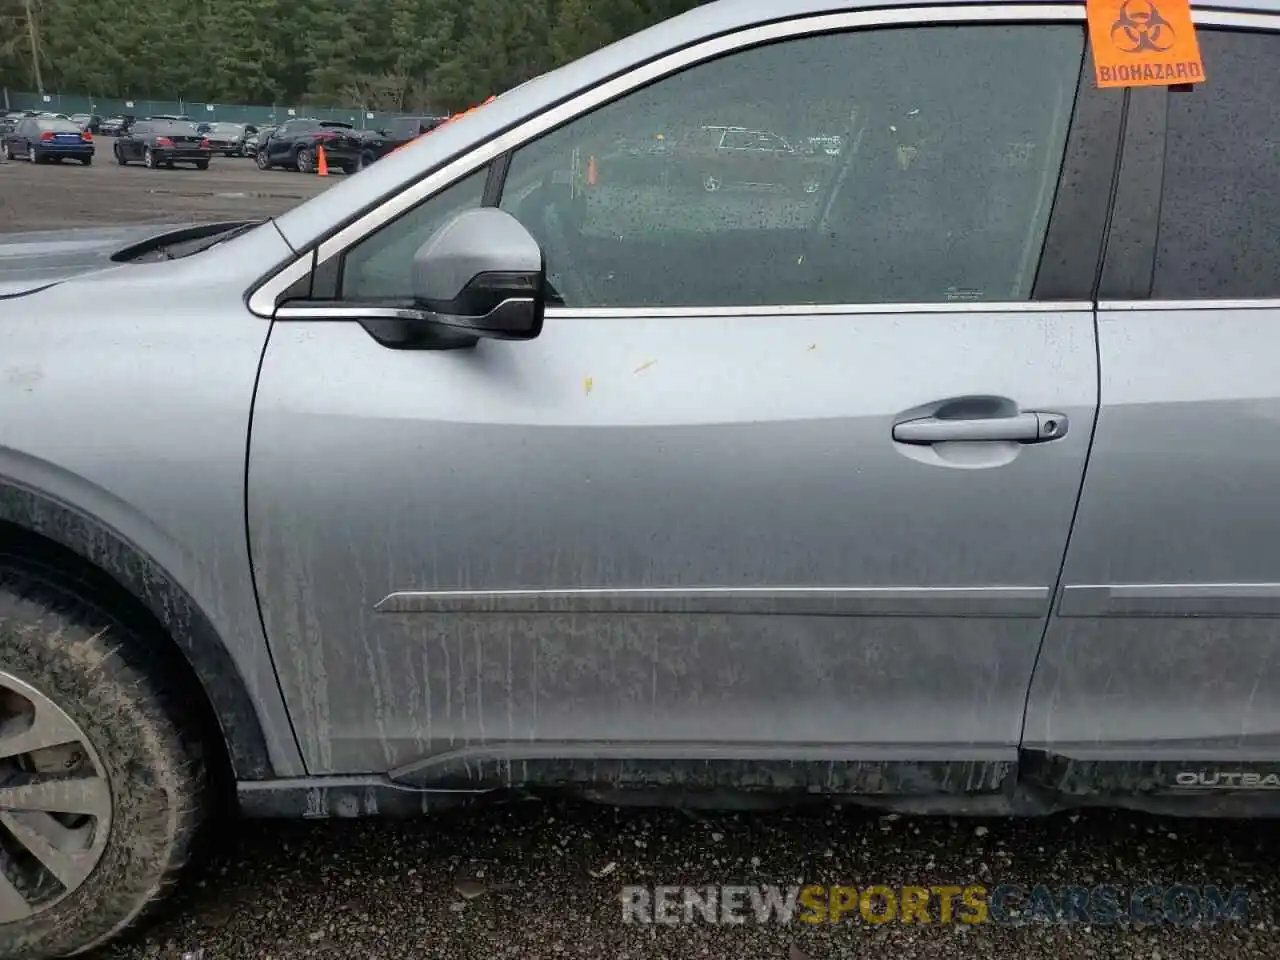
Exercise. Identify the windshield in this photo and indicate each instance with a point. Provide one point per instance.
(58, 126)
(225, 128)
(336, 123)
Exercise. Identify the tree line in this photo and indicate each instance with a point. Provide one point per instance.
(394, 55)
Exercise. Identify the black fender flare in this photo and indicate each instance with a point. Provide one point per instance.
(188, 626)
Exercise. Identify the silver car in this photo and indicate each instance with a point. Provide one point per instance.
(949, 486)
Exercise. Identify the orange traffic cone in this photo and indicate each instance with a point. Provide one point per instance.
(322, 167)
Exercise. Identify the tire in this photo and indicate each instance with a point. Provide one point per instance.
(261, 158)
(148, 158)
(304, 161)
(202, 164)
(350, 168)
(87, 161)
(115, 148)
(111, 722)
(32, 156)
(7, 151)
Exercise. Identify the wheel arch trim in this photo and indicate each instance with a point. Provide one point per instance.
(167, 600)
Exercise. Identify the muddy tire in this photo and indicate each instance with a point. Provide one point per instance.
(81, 861)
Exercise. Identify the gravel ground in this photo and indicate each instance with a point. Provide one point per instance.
(67, 194)
(534, 879)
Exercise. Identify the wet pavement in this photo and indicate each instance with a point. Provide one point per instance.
(54, 195)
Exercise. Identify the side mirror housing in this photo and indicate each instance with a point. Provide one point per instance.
(482, 274)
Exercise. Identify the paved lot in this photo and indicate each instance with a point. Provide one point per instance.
(46, 196)
(534, 880)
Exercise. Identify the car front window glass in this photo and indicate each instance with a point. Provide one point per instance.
(380, 267)
(1219, 233)
(955, 140)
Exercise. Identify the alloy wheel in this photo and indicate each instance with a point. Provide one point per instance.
(55, 802)
(304, 160)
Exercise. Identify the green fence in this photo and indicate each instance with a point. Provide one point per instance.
(195, 109)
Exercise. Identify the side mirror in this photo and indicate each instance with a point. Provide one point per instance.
(484, 275)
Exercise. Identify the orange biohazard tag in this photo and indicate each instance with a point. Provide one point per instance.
(1144, 43)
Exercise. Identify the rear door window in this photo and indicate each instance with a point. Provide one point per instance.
(1220, 212)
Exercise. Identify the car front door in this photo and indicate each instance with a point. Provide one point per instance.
(131, 142)
(20, 139)
(279, 145)
(1161, 668)
(786, 477)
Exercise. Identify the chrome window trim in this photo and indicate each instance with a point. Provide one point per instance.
(1131, 306)
(263, 300)
(351, 312)
(817, 309)
(373, 312)
(1231, 18)
(356, 312)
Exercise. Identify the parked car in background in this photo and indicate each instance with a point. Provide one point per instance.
(254, 140)
(40, 139)
(727, 156)
(294, 145)
(117, 124)
(227, 138)
(87, 121)
(162, 143)
(400, 130)
(830, 145)
(374, 146)
(10, 120)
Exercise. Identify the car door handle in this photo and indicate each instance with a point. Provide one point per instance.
(1029, 427)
